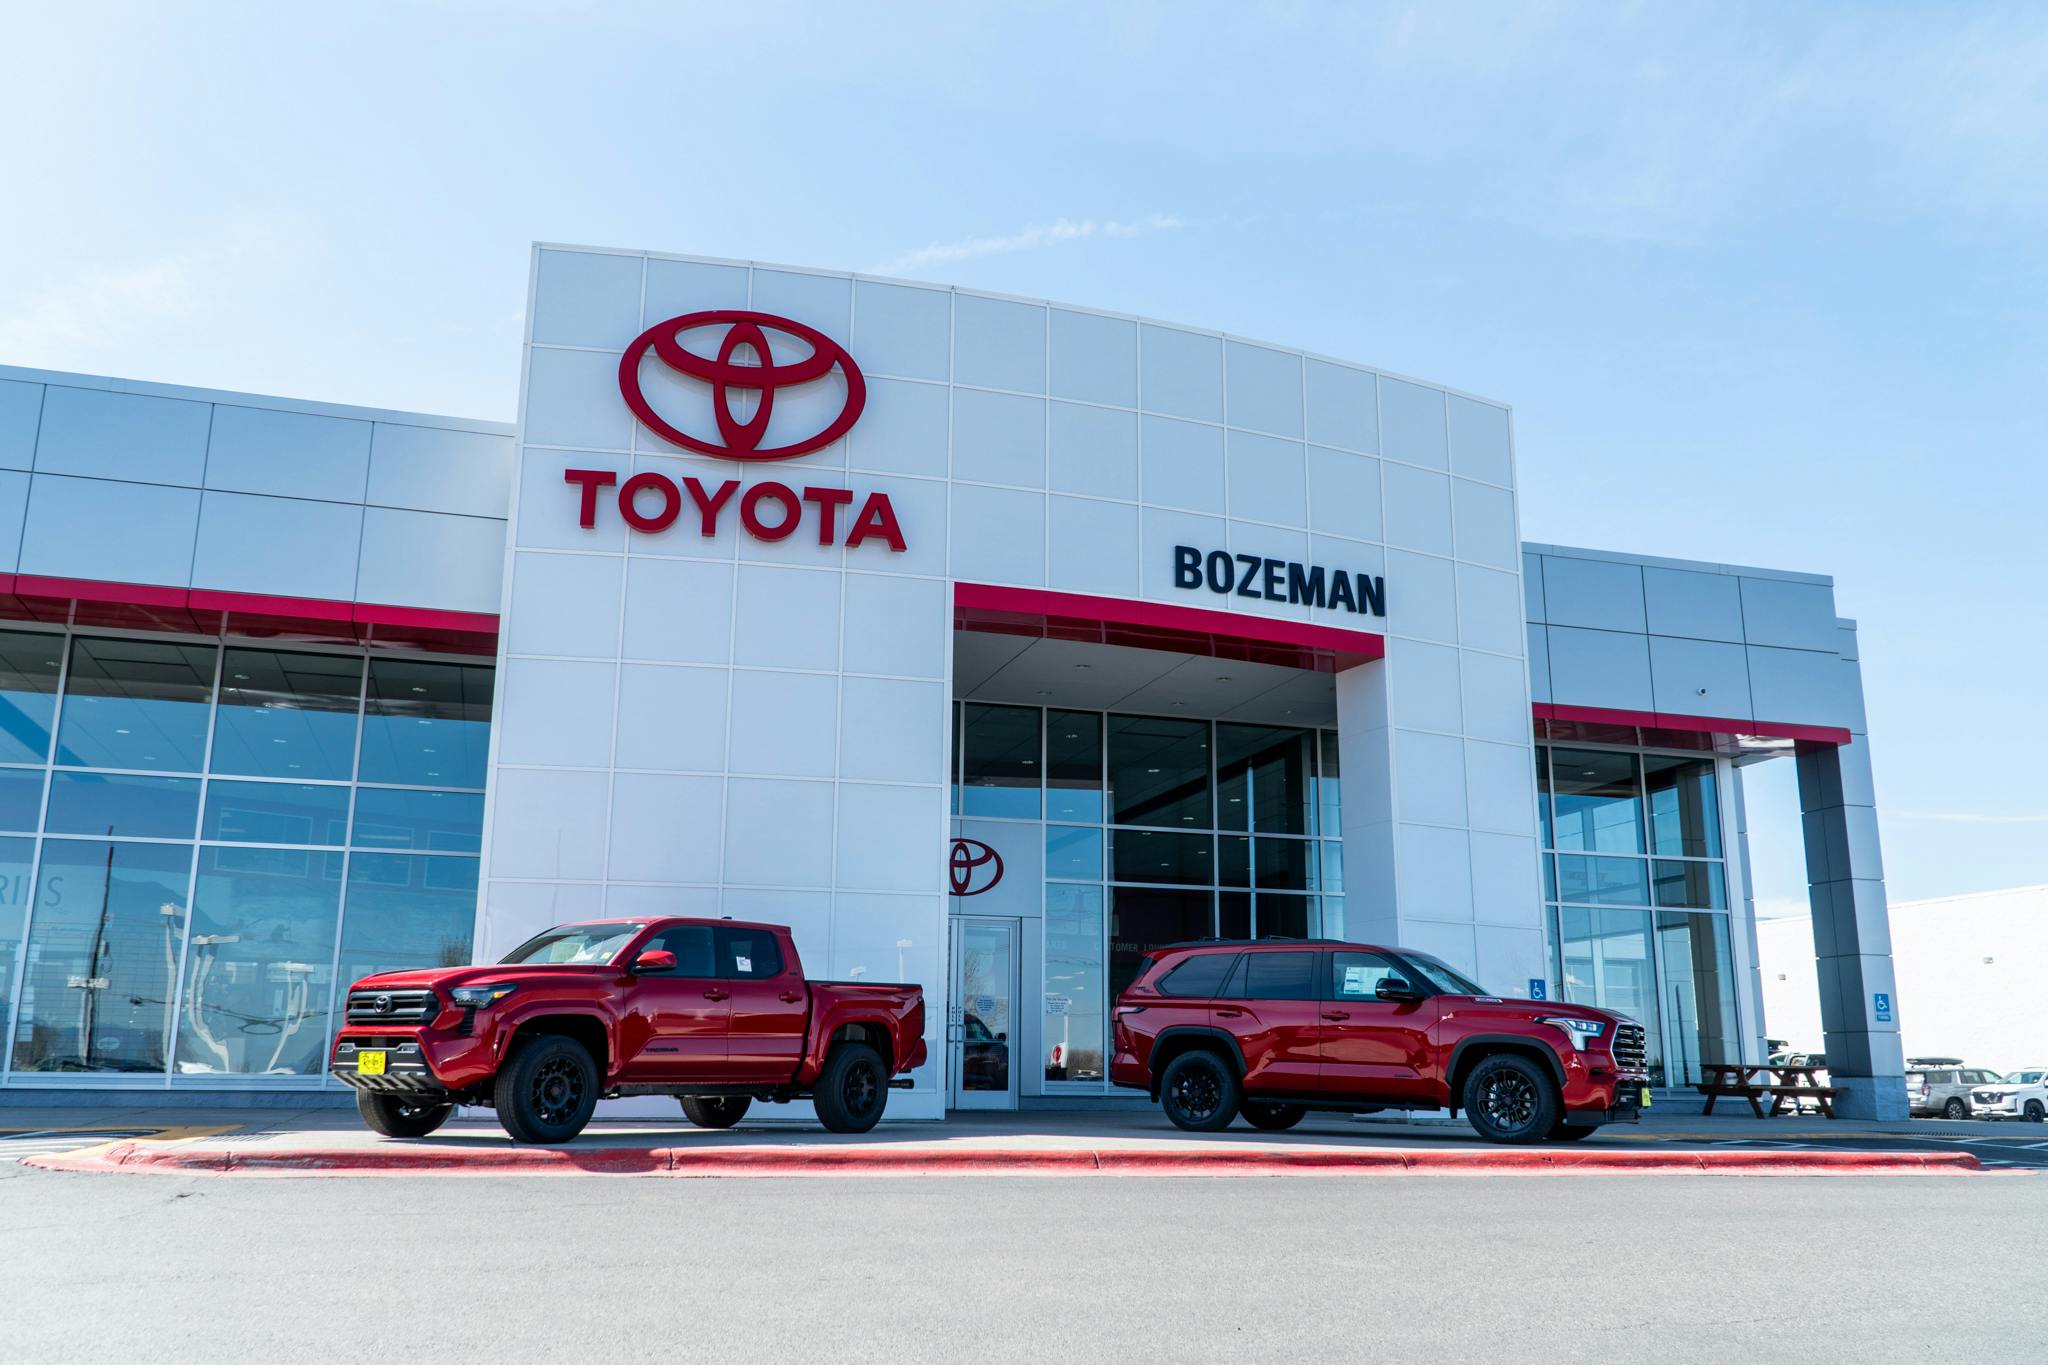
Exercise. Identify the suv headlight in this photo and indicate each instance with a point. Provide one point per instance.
(480, 997)
(1578, 1030)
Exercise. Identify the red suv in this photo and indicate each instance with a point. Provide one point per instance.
(1274, 1028)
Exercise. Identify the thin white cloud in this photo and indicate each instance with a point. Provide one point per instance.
(1032, 238)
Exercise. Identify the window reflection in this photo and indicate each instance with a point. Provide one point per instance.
(1159, 772)
(1073, 766)
(1074, 1014)
(1266, 775)
(426, 724)
(1699, 991)
(287, 715)
(136, 704)
(1606, 961)
(999, 774)
(29, 666)
(103, 952)
(257, 965)
(1597, 800)
(1684, 813)
(123, 806)
(16, 862)
(406, 910)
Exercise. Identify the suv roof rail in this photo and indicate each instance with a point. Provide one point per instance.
(1934, 1061)
(1248, 942)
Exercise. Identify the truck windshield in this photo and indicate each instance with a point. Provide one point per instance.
(1443, 977)
(575, 943)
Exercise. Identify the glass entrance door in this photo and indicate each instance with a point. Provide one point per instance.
(981, 1033)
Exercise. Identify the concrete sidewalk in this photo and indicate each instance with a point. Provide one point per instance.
(329, 1142)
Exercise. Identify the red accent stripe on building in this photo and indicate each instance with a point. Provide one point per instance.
(207, 611)
(1706, 725)
(1155, 625)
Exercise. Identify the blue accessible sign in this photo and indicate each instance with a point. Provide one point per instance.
(1537, 988)
(1882, 1000)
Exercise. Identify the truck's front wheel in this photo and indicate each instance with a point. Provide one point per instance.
(1508, 1098)
(716, 1111)
(547, 1091)
(852, 1090)
(394, 1117)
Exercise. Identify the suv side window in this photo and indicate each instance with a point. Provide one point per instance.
(691, 943)
(1980, 1077)
(1201, 975)
(1280, 976)
(748, 954)
(1357, 976)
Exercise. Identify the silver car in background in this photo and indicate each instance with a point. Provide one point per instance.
(1941, 1086)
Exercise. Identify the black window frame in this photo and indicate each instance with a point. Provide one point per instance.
(659, 939)
(1318, 963)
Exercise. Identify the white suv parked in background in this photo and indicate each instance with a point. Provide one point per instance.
(2022, 1095)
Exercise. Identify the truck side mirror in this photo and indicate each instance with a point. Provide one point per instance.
(655, 960)
(1395, 988)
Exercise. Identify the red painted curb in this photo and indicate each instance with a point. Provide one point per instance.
(879, 1160)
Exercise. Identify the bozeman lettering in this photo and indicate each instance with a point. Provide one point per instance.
(1219, 571)
(1279, 580)
(1305, 585)
(770, 511)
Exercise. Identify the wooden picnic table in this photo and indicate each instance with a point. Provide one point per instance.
(1786, 1085)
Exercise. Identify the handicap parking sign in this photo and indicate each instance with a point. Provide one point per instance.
(1883, 1001)
(1537, 987)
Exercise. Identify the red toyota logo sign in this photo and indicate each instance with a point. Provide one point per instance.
(964, 867)
(724, 371)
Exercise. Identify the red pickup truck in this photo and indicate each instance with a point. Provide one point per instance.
(714, 1012)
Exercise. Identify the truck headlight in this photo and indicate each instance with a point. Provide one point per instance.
(1578, 1030)
(480, 997)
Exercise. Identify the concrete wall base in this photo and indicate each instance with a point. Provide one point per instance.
(1871, 1097)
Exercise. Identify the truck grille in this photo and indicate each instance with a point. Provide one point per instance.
(1631, 1050)
(391, 1007)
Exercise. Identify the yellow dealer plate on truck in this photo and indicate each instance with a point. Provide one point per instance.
(369, 1063)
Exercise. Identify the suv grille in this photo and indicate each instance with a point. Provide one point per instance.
(1631, 1050)
(391, 1007)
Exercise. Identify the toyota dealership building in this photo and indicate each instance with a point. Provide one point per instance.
(988, 643)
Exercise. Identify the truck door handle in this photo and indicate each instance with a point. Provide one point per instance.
(1229, 1014)
(789, 997)
(1336, 1014)
(716, 995)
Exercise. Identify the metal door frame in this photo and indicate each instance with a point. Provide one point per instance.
(958, 1097)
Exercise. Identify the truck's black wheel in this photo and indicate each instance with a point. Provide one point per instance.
(400, 1118)
(853, 1089)
(1200, 1092)
(1273, 1118)
(546, 1091)
(715, 1111)
(1508, 1098)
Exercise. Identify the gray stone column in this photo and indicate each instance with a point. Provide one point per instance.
(1852, 942)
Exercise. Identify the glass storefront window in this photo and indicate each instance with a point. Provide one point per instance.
(1265, 774)
(257, 985)
(406, 910)
(1597, 801)
(1286, 916)
(1159, 772)
(1234, 914)
(1140, 855)
(1685, 818)
(21, 799)
(426, 724)
(1329, 788)
(274, 813)
(121, 806)
(1699, 991)
(1284, 864)
(1606, 962)
(16, 862)
(136, 704)
(287, 715)
(103, 950)
(1144, 918)
(1701, 886)
(1073, 766)
(1074, 1013)
(1543, 796)
(434, 822)
(1073, 853)
(29, 666)
(1603, 881)
(999, 765)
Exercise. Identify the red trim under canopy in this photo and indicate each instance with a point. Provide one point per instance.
(205, 611)
(1704, 725)
(1156, 625)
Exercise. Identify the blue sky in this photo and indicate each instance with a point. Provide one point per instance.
(1765, 284)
